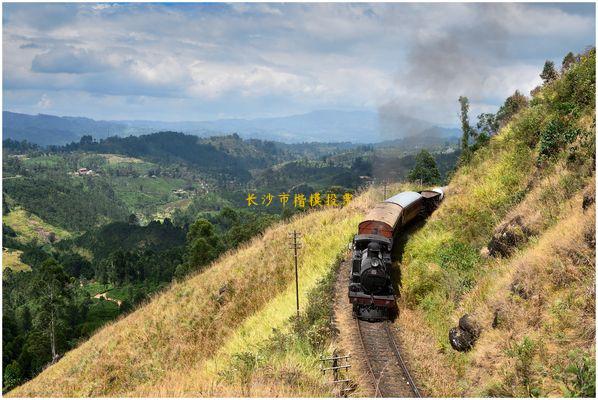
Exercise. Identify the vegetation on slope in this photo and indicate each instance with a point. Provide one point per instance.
(520, 199)
(185, 340)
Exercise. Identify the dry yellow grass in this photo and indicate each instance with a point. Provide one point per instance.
(179, 342)
(553, 306)
(11, 258)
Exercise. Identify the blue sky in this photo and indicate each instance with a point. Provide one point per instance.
(206, 61)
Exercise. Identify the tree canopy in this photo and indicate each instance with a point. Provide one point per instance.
(425, 169)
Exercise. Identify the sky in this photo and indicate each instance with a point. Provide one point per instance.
(192, 62)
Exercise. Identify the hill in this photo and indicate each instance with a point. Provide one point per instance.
(315, 126)
(513, 246)
(47, 130)
(198, 336)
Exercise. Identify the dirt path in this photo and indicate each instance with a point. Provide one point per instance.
(350, 342)
(105, 297)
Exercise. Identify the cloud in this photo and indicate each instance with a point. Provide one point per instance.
(68, 60)
(263, 59)
(44, 102)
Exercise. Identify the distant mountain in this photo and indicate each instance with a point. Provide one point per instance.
(315, 126)
(49, 129)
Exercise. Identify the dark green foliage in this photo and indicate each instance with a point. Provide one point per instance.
(12, 377)
(579, 376)
(100, 311)
(156, 236)
(169, 148)
(554, 138)
(203, 246)
(513, 104)
(568, 61)
(465, 127)
(574, 96)
(73, 205)
(425, 169)
(549, 73)
(52, 287)
(487, 125)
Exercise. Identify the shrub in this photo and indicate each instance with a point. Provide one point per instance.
(524, 353)
(580, 376)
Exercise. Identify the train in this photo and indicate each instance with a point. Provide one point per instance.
(371, 290)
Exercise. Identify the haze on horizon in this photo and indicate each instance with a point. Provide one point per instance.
(192, 62)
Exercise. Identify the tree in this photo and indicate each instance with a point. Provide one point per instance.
(86, 139)
(52, 292)
(425, 169)
(487, 125)
(465, 127)
(513, 104)
(133, 220)
(203, 246)
(12, 377)
(549, 73)
(568, 61)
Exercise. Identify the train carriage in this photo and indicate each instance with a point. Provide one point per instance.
(370, 290)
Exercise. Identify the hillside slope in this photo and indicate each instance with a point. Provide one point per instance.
(513, 246)
(188, 340)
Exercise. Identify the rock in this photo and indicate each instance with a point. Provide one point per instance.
(508, 236)
(460, 340)
(464, 336)
(589, 198)
(468, 324)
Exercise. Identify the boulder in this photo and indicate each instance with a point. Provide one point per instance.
(508, 236)
(464, 336)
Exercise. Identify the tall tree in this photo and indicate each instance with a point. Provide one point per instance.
(513, 104)
(465, 127)
(487, 125)
(51, 286)
(425, 169)
(568, 61)
(549, 73)
(203, 246)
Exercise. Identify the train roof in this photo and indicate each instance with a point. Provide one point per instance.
(404, 199)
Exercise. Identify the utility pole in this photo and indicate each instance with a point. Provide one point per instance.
(385, 186)
(296, 245)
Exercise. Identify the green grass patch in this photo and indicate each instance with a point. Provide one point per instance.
(30, 227)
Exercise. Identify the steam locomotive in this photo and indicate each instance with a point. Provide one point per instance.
(370, 289)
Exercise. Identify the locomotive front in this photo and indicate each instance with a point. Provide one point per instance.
(371, 288)
(371, 291)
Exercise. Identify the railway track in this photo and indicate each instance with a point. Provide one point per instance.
(390, 376)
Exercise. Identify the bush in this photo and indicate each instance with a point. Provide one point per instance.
(580, 376)
(555, 137)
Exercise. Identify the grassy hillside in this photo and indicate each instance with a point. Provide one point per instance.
(11, 258)
(202, 336)
(28, 226)
(513, 247)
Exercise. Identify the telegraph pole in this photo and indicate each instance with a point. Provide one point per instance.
(385, 186)
(296, 245)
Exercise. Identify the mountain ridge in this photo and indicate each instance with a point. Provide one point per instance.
(314, 126)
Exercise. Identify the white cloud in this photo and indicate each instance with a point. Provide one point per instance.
(44, 102)
(268, 58)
